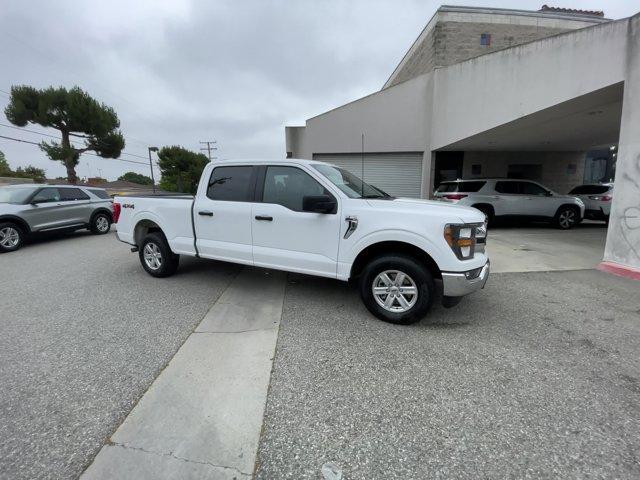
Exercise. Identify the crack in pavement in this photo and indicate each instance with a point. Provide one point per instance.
(171, 455)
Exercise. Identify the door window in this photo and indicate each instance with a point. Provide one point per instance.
(232, 184)
(507, 187)
(287, 186)
(47, 195)
(69, 194)
(528, 188)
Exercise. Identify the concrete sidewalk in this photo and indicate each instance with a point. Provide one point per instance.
(202, 416)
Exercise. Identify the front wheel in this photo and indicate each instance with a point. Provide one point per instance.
(11, 237)
(397, 289)
(156, 256)
(566, 218)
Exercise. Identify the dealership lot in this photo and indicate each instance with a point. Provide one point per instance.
(537, 375)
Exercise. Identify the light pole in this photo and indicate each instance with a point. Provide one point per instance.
(153, 182)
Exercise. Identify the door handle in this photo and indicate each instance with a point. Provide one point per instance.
(264, 217)
(205, 213)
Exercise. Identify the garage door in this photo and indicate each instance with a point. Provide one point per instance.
(398, 174)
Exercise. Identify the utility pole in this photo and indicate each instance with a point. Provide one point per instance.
(210, 145)
(153, 180)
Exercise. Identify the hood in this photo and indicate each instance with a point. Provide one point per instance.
(463, 213)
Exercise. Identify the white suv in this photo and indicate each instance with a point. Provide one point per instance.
(597, 199)
(502, 197)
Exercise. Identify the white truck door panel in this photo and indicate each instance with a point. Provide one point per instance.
(287, 238)
(222, 215)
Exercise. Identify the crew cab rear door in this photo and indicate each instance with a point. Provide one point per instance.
(284, 236)
(222, 214)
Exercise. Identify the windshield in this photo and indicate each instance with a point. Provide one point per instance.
(15, 194)
(348, 183)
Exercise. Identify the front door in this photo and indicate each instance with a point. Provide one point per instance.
(284, 236)
(44, 211)
(222, 217)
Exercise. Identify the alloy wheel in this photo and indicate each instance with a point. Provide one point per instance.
(395, 291)
(102, 224)
(9, 237)
(567, 218)
(152, 256)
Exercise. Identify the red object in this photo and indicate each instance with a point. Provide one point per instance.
(620, 270)
(455, 196)
(117, 208)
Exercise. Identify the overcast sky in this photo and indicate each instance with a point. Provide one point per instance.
(238, 71)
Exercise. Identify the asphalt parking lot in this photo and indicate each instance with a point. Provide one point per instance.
(84, 332)
(538, 376)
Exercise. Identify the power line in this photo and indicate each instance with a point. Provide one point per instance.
(88, 153)
(58, 138)
(208, 148)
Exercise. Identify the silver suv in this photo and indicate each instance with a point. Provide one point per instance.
(503, 197)
(30, 209)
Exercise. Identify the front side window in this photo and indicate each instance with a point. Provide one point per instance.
(69, 194)
(528, 188)
(287, 186)
(231, 184)
(47, 195)
(507, 187)
(348, 183)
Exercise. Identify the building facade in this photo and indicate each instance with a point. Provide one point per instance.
(493, 92)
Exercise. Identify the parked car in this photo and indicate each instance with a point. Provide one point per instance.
(597, 199)
(503, 197)
(30, 209)
(314, 218)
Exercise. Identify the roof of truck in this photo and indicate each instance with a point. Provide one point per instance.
(301, 161)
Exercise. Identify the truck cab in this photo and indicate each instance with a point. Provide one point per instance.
(315, 218)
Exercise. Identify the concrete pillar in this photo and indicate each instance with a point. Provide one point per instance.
(622, 251)
(428, 165)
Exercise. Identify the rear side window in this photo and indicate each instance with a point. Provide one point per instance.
(589, 190)
(507, 187)
(68, 194)
(100, 194)
(232, 184)
(468, 187)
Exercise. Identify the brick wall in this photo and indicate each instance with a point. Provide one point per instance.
(556, 171)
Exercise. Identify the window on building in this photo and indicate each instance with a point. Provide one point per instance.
(485, 39)
(232, 184)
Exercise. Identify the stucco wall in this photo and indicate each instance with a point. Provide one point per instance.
(392, 120)
(556, 173)
(492, 90)
(623, 237)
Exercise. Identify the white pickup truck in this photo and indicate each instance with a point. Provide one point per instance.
(314, 218)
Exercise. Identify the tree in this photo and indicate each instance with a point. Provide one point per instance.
(138, 178)
(180, 169)
(5, 170)
(29, 171)
(75, 114)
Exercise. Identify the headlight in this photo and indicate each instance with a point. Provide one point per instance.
(466, 239)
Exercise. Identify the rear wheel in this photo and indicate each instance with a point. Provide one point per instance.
(566, 218)
(11, 237)
(156, 256)
(397, 289)
(100, 224)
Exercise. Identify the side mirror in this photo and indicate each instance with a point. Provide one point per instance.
(549, 194)
(319, 204)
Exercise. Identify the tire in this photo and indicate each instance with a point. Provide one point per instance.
(100, 224)
(417, 277)
(154, 245)
(11, 237)
(488, 212)
(566, 217)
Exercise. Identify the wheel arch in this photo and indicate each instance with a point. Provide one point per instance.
(104, 210)
(143, 228)
(18, 221)
(392, 246)
(567, 205)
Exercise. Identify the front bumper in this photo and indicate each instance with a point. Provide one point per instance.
(458, 284)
